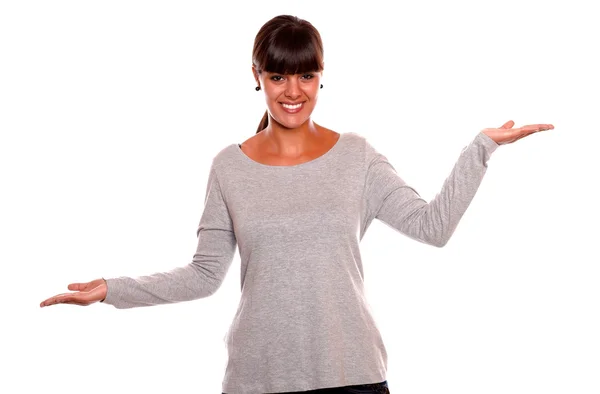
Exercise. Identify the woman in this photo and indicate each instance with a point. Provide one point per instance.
(296, 199)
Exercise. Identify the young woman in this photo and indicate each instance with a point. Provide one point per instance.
(296, 199)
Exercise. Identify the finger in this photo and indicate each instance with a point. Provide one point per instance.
(78, 286)
(525, 130)
(508, 125)
(57, 299)
(538, 127)
(542, 127)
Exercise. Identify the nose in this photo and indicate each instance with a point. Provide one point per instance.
(292, 88)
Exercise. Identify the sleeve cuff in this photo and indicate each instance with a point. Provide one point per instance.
(112, 291)
(489, 144)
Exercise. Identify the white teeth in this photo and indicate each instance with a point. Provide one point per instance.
(288, 106)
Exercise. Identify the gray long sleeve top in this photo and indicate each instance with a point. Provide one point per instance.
(303, 321)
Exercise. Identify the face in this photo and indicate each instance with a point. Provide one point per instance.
(290, 99)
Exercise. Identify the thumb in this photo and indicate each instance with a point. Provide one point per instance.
(78, 286)
(508, 125)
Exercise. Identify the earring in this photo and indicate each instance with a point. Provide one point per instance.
(257, 88)
(321, 86)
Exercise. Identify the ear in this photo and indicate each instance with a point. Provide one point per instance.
(255, 73)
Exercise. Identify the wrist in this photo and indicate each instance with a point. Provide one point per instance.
(106, 287)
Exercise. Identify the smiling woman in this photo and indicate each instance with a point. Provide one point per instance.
(296, 207)
(287, 62)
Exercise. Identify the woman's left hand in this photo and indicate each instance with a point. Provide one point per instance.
(506, 134)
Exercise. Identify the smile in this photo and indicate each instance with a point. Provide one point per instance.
(292, 108)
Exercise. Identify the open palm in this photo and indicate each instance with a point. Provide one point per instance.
(85, 294)
(506, 134)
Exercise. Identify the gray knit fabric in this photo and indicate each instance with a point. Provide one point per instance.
(303, 321)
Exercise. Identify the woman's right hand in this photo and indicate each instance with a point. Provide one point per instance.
(86, 294)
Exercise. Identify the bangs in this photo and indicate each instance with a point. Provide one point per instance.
(292, 51)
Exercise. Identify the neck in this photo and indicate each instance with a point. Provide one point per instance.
(291, 142)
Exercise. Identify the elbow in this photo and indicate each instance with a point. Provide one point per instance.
(211, 289)
(208, 278)
(438, 241)
(443, 239)
(430, 229)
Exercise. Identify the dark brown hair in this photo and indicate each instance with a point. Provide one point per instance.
(287, 45)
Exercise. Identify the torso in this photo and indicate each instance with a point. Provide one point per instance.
(254, 148)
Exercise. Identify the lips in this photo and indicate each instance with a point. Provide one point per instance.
(292, 108)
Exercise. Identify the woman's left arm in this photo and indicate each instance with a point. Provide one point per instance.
(389, 199)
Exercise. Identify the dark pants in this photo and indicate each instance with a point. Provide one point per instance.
(372, 388)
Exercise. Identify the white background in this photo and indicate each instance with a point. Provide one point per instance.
(111, 112)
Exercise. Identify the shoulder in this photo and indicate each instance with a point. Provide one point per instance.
(362, 146)
(356, 142)
(224, 157)
(355, 137)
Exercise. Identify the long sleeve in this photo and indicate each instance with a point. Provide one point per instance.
(200, 278)
(388, 198)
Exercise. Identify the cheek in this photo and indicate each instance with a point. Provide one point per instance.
(313, 93)
(271, 96)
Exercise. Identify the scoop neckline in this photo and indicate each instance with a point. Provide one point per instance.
(299, 165)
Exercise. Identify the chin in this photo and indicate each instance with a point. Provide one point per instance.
(291, 124)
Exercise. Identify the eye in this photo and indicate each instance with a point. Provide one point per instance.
(308, 76)
(276, 78)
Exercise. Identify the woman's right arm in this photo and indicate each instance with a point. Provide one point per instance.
(200, 278)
